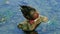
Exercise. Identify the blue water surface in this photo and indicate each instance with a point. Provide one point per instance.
(11, 15)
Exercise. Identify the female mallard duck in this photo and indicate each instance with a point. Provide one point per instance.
(33, 19)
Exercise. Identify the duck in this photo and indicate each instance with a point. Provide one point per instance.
(33, 18)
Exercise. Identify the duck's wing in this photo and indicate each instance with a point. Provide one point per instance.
(23, 25)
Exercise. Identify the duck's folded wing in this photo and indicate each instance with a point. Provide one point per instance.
(23, 25)
(44, 18)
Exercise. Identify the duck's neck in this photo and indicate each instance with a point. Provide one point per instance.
(32, 21)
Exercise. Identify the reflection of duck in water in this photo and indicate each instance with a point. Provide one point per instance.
(33, 19)
(31, 32)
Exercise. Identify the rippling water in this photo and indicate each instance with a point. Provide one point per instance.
(10, 11)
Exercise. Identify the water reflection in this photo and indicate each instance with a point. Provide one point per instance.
(30, 32)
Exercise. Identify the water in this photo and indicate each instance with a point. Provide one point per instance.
(13, 16)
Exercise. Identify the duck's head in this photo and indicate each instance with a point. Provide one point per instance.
(29, 12)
